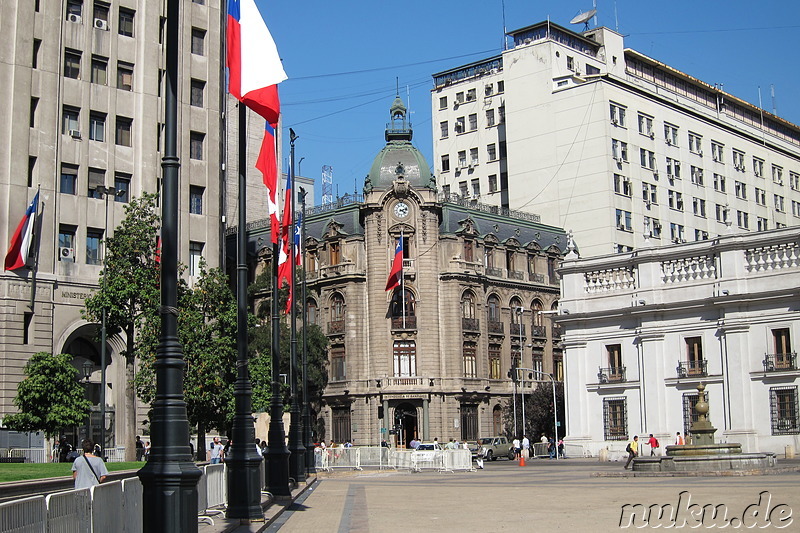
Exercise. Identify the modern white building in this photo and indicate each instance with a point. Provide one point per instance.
(643, 329)
(611, 144)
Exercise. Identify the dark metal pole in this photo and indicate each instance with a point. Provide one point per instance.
(169, 478)
(309, 444)
(103, 350)
(244, 494)
(297, 459)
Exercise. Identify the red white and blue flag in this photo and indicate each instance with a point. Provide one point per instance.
(284, 260)
(20, 248)
(396, 275)
(266, 163)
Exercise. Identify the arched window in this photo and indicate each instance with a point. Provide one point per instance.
(494, 308)
(337, 307)
(517, 311)
(536, 307)
(398, 303)
(311, 311)
(468, 305)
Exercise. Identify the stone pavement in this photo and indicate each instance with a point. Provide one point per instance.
(546, 495)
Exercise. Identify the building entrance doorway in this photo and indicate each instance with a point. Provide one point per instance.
(405, 423)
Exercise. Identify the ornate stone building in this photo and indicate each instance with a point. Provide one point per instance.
(429, 359)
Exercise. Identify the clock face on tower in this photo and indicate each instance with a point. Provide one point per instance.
(401, 209)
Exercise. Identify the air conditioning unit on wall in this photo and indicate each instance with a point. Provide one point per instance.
(66, 254)
(100, 24)
(74, 17)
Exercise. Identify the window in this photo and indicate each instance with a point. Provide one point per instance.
(676, 233)
(122, 187)
(779, 203)
(494, 308)
(743, 219)
(335, 254)
(196, 199)
(615, 421)
(494, 361)
(69, 179)
(777, 175)
(196, 145)
(203, 2)
(623, 219)
(493, 183)
(614, 354)
(100, 12)
(198, 40)
(74, 8)
(617, 114)
(32, 115)
(99, 70)
(761, 224)
(462, 189)
(694, 357)
(690, 415)
(717, 152)
(66, 243)
(649, 193)
(476, 187)
(647, 158)
(459, 126)
(673, 168)
(473, 156)
(738, 160)
(446, 163)
(700, 235)
(195, 255)
(622, 185)
(442, 102)
(126, 17)
(671, 134)
(501, 114)
(123, 131)
(471, 95)
(469, 253)
(94, 238)
(97, 127)
(652, 227)
(311, 309)
(445, 129)
(646, 125)
(124, 76)
(69, 121)
(490, 118)
(37, 44)
(31, 169)
(722, 213)
(97, 178)
(491, 152)
(462, 159)
(619, 150)
(470, 361)
(459, 97)
(741, 190)
(719, 182)
(468, 299)
(405, 358)
(784, 357)
(758, 167)
(198, 87)
(697, 175)
(699, 207)
(794, 181)
(784, 410)
(473, 122)
(695, 143)
(570, 63)
(72, 64)
(761, 196)
(675, 200)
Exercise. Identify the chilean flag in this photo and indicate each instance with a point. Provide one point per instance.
(397, 267)
(284, 261)
(254, 65)
(267, 165)
(20, 247)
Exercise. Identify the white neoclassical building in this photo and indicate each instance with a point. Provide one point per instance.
(643, 329)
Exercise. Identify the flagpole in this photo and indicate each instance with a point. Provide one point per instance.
(402, 281)
(36, 242)
(309, 444)
(297, 458)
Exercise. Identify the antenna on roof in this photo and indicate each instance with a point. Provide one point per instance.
(505, 36)
(584, 18)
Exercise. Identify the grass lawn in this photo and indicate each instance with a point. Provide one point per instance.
(23, 471)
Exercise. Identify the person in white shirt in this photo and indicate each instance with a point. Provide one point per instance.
(526, 446)
(515, 444)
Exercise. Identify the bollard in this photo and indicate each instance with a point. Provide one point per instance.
(789, 451)
(603, 455)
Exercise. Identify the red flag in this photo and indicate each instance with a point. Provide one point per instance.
(266, 163)
(17, 255)
(397, 267)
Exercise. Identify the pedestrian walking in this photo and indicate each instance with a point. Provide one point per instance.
(551, 448)
(561, 449)
(139, 448)
(632, 449)
(515, 443)
(526, 447)
(679, 439)
(88, 470)
(653, 443)
(217, 452)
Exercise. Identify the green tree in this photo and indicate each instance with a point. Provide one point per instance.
(538, 412)
(50, 397)
(129, 289)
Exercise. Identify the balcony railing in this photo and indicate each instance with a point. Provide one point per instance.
(691, 369)
(496, 327)
(410, 381)
(611, 375)
(516, 275)
(517, 330)
(470, 324)
(556, 331)
(538, 331)
(775, 362)
(536, 278)
(410, 322)
(496, 272)
(335, 327)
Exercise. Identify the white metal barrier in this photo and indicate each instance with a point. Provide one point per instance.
(343, 458)
(132, 503)
(377, 457)
(106, 506)
(457, 460)
(116, 454)
(215, 488)
(427, 460)
(31, 455)
(69, 511)
(402, 459)
(28, 515)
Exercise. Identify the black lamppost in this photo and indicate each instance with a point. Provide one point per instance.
(88, 367)
(309, 444)
(169, 478)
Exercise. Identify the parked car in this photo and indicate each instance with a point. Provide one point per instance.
(490, 448)
(427, 451)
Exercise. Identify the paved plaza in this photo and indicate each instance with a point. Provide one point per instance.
(545, 495)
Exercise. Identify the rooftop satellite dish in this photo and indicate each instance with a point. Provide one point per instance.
(584, 18)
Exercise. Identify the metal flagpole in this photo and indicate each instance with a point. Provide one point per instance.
(402, 281)
(309, 444)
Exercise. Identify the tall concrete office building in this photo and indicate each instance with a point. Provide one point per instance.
(618, 147)
(82, 84)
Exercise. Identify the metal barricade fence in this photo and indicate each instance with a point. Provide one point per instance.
(540, 449)
(132, 502)
(31, 455)
(106, 506)
(427, 459)
(116, 454)
(69, 511)
(374, 457)
(28, 515)
(343, 458)
(457, 460)
(402, 458)
(262, 474)
(320, 459)
(202, 492)
(215, 488)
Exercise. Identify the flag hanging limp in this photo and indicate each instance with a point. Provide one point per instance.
(20, 247)
(397, 267)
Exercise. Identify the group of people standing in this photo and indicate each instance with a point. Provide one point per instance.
(633, 446)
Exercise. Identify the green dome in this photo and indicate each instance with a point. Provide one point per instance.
(399, 157)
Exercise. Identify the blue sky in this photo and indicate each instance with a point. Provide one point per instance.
(343, 58)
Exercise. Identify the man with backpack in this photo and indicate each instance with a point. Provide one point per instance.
(632, 449)
(653, 443)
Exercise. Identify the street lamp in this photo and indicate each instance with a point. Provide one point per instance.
(555, 406)
(520, 311)
(88, 367)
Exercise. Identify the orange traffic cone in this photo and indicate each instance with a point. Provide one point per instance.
(521, 460)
